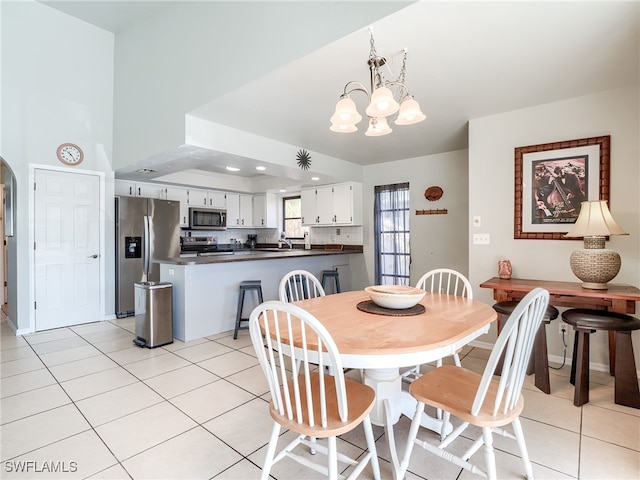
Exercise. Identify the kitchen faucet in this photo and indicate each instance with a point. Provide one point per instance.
(284, 239)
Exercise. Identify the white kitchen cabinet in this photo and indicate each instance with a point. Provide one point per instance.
(126, 188)
(347, 204)
(308, 206)
(265, 209)
(246, 210)
(180, 194)
(339, 204)
(324, 205)
(233, 210)
(207, 198)
(239, 210)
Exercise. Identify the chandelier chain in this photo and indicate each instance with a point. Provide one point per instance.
(374, 61)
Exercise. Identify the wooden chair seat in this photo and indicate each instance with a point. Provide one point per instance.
(482, 400)
(361, 401)
(304, 399)
(454, 389)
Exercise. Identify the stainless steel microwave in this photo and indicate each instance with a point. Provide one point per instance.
(207, 219)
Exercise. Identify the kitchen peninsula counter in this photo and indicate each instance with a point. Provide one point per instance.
(206, 288)
(249, 255)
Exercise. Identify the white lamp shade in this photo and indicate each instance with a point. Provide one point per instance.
(410, 112)
(346, 112)
(595, 220)
(382, 103)
(378, 127)
(343, 128)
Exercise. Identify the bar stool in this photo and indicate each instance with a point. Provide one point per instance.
(331, 275)
(247, 285)
(539, 361)
(585, 322)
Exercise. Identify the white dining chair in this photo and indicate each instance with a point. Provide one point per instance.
(299, 285)
(304, 399)
(442, 280)
(481, 400)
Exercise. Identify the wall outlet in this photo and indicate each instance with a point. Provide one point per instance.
(563, 328)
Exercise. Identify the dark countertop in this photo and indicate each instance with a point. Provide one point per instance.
(247, 255)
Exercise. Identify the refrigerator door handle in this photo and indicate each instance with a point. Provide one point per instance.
(147, 247)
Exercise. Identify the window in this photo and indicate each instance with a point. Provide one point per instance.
(391, 230)
(292, 217)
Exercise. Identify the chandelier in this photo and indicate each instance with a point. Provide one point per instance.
(382, 103)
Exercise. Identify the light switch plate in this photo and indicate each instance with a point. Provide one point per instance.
(481, 239)
(476, 221)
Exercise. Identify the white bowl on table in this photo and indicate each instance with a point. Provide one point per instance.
(395, 297)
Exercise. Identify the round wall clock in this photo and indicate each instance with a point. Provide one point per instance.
(70, 154)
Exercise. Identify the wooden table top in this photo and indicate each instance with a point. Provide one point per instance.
(447, 319)
(615, 291)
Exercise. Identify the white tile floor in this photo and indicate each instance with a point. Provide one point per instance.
(84, 402)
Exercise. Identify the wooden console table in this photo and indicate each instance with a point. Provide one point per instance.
(617, 298)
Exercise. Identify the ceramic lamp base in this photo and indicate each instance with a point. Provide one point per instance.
(595, 266)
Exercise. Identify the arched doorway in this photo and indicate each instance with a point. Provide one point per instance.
(7, 278)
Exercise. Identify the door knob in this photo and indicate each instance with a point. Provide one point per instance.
(93, 256)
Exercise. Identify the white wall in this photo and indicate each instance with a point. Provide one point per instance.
(436, 240)
(57, 87)
(492, 141)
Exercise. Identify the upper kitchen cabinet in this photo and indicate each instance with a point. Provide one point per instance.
(339, 204)
(125, 188)
(207, 198)
(265, 210)
(180, 194)
(239, 210)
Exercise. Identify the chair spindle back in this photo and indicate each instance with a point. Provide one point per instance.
(274, 327)
(446, 280)
(516, 341)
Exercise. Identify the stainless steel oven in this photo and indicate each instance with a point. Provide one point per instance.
(207, 219)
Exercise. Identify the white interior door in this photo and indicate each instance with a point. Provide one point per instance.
(66, 250)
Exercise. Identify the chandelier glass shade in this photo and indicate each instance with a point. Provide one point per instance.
(378, 126)
(382, 103)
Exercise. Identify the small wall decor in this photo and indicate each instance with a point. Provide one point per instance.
(304, 159)
(432, 211)
(433, 193)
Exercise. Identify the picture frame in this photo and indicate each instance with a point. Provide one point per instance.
(552, 179)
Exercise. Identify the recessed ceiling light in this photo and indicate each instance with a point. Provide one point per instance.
(282, 190)
(261, 168)
(315, 178)
(233, 169)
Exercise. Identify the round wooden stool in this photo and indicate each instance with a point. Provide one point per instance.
(585, 322)
(539, 361)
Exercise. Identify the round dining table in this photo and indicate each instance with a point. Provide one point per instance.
(383, 342)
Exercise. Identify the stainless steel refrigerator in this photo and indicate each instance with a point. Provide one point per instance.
(147, 230)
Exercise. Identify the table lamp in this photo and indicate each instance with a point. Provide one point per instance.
(594, 264)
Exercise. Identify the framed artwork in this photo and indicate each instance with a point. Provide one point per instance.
(551, 181)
